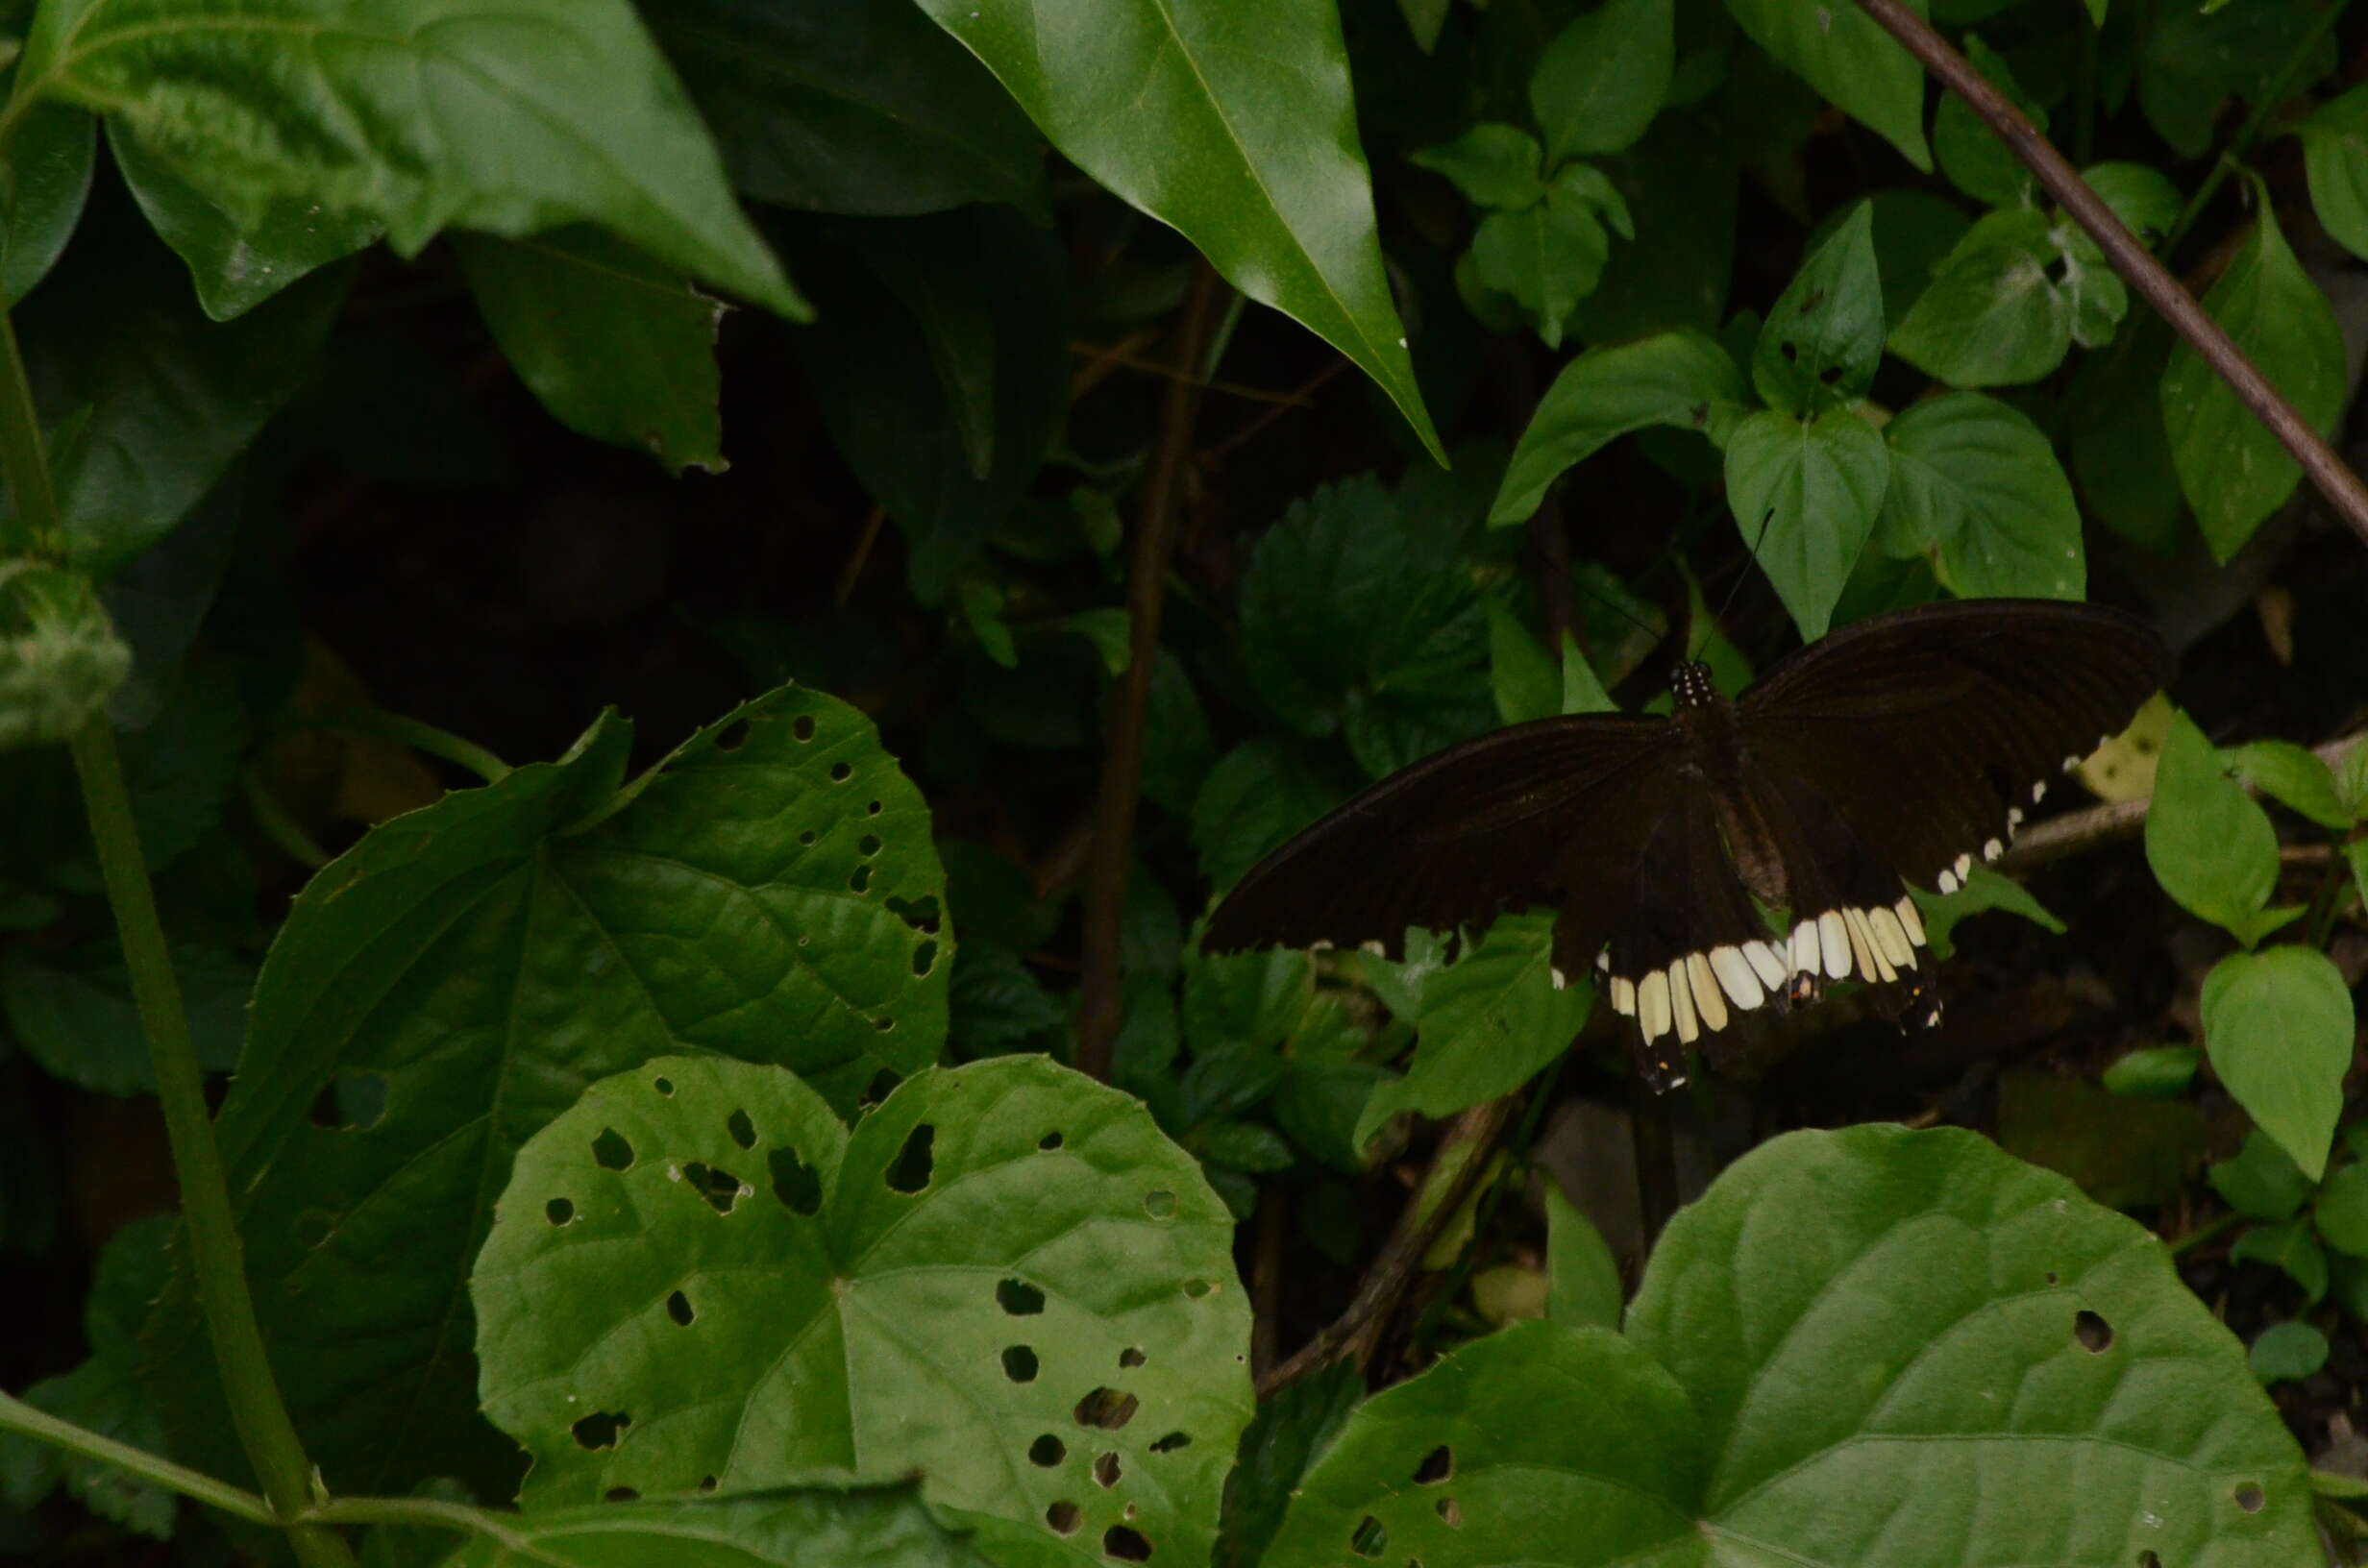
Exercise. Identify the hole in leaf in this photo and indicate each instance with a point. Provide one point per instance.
(1019, 1363)
(882, 1085)
(872, 810)
(1049, 1142)
(806, 837)
(802, 727)
(1107, 1408)
(1159, 1202)
(743, 1131)
(1452, 1511)
(707, 1483)
(601, 1428)
(351, 1102)
(1047, 1450)
(909, 1172)
(611, 1151)
(2051, 1276)
(794, 1182)
(862, 881)
(883, 1023)
(2149, 1559)
(1107, 1470)
(1172, 1442)
(2250, 1497)
(678, 1308)
(619, 1494)
(1064, 1518)
(2095, 1335)
(664, 1086)
(868, 845)
(559, 1212)
(841, 772)
(1126, 1544)
(1436, 1466)
(1018, 1298)
(925, 958)
(1369, 1539)
(722, 1189)
(1130, 1357)
(1830, 375)
(1788, 350)
(1196, 1288)
(733, 736)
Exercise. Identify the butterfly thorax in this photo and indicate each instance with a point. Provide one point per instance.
(1716, 756)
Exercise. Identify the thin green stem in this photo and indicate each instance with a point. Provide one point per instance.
(411, 732)
(2281, 86)
(16, 1415)
(36, 526)
(2204, 1233)
(276, 825)
(425, 1513)
(2328, 903)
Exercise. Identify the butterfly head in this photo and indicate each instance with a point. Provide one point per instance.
(1691, 684)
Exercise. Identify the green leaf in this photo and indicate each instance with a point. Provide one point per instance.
(941, 362)
(1769, 1403)
(1682, 377)
(2289, 1247)
(501, 948)
(1178, 749)
(1521, 674)
(618, 347)
(237, 260)
(2260, 1181)
(1604, 77)
(2286, 1353)
(1680, 182)
(2335, 160)
(2140, 195)
(2120, 452)
(60, 657)
(1983, 889)
(1245, 1147)
(43, 184)
(1292, 1430)
(1806, 498)
(1991, 317)
(1852, 61)
(1545, 258)
(1584, 1290)
(2126, 1154)
(2294, 777)
(1583, 690)
(2192, 58)
(2342, 1211)
(750, 1277)
(2278, 1026)
(2352, 780)
(319, 103)
(1495, 165)
(2233, 472)
(1258, 795)
(982, 611)
(1489, 1022)
(1970, 153)
(848, 106)
(1913, 232)
(1234, 125)
(1976, 485)
(72, 1012)
(2210, 844)
(882, 1528)
(2153, 1071)
(1823, 337)
(995, 1003)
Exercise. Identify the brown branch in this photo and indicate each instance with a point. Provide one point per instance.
(1122, 763)
(1119, 356)
(1394, 1268)
(2136, 264)
(2077, 830)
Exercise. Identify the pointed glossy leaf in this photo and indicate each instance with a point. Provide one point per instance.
(1823, 337)
(2235, 473)
(1991, 317)
(617, 347)
(1005, 1281)
(1977, 486)
(1861, 69)
(1682, 379)
(2295, 778)
(2278, 1026)
(469, 967)
(1805, 497)
(511, 115)
(43, 184)
(1233, 124)
(861, 1528)
(2210, 844)
(850, 106)
(1495, 165)
(1604, 77)
(1489, 1022)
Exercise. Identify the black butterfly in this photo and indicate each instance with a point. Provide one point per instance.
(1892, 752)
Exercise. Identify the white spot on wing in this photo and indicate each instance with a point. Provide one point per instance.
(1624, 996)
(1653, 1006)
(2038, 791)
(1708, 1000)
(1909, 920)
(1873, 963)
(1964, 866)
(1803, 958)
(1834, 936)
(1948, 881)
(1736, 977)
(1891, 938)
(1681, 1004)
(1991, 849)
(1767, 963)
(1562, 981)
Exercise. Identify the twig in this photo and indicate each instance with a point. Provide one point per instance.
(858, 558)
(2078, 830)
(1119, 355)
(2136, 264)
(1400, 1259)
(1302, 396)
(1121, 767)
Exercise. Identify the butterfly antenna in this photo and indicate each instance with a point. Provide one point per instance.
(1727, 603)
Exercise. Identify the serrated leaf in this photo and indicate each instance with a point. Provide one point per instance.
(1823, 337)
(1488, 1024)
(1841, 52)
(1682, 377)
(2278, 1026)
(1991, 317)
(2260, 1181)
(1584, 1290)
(1495, 165)
(43, 187)
(501, 948)
(2286, 1352)
(710, 1217)
(1976, 484)
(1233, 124)
(872, 1527)
(2233, 471)
(2291, 1249)
(1604, 77)
(616, 346)
(2294, 777)
(1805, 497)
(2210, 844)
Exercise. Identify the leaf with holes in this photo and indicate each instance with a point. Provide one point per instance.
(1849, 1350)
(1005, 1280)
(1825, 334)
(453, 981)
(886, 1527)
